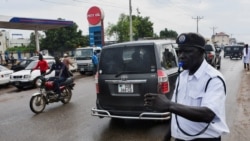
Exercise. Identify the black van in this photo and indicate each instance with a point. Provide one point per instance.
(127, 71)
(233, 51)
(236, 52)
(227, 51)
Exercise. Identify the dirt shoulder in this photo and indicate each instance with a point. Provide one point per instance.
(240, 130)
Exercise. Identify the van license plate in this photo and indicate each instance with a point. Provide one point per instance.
(125, 88)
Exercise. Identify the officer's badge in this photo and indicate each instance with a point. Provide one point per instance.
(182, 39)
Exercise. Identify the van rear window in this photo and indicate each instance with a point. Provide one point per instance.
(138, 59)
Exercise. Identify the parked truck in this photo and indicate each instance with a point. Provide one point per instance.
(83, 58)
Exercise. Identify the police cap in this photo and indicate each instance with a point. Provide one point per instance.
(191, 40)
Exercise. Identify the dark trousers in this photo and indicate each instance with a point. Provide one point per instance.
(43, 73)
(57, 83)
(246, 66)
(203, 139)
(94, 69)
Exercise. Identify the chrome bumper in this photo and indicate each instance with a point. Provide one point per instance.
(142, 116)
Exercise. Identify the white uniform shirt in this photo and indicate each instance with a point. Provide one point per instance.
(191, 91)
(246, 56)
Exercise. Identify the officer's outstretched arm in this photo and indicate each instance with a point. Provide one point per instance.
(161, 103)
(193, 113)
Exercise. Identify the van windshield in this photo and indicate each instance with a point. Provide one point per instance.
(83, 54)
(138, 59)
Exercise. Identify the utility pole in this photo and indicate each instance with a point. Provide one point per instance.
(213, 28)
(197, 20)
(130, 20)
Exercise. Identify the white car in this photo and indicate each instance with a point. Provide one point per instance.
(25, 78)
(5, 75)
(45, 57)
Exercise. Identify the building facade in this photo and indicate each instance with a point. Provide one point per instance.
(7, 42)
(221, 39)
(4, 41)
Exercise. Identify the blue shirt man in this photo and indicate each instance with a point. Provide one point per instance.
(95, 62)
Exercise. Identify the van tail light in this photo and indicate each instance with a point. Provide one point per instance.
(163, 83)
(97, 83)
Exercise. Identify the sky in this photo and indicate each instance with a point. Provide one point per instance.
(229, 16)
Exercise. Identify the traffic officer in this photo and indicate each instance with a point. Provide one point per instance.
(198, 102)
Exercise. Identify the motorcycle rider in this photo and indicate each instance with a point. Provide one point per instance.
(61, 74)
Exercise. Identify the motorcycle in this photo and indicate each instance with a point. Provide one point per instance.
(47, 95)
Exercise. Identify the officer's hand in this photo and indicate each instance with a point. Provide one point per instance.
(157, 102)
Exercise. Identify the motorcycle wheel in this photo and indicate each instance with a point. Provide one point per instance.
(37, 104)
(67, 93)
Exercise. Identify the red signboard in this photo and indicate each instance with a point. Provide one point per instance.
(94, 15)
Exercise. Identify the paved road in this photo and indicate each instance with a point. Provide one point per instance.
(74, 121)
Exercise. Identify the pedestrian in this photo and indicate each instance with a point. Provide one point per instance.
(6, 57)
(67, 61)
(95, 62)
(1, 59)
(41, 64)
(12, 59)
(198, 102)
(246, 57)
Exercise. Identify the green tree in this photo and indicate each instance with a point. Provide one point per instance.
(142, 27)
(32, 45)
(63, 39)
(168, 34)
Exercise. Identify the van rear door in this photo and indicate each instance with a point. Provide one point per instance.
(126, 73)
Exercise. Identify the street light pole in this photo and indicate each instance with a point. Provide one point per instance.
(130, 21)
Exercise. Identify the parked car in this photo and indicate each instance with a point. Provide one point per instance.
(21, 65)
(127, 71)
(210, 54)
(27, 78)
(46, 57)
(227, 51)
(5, 75)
